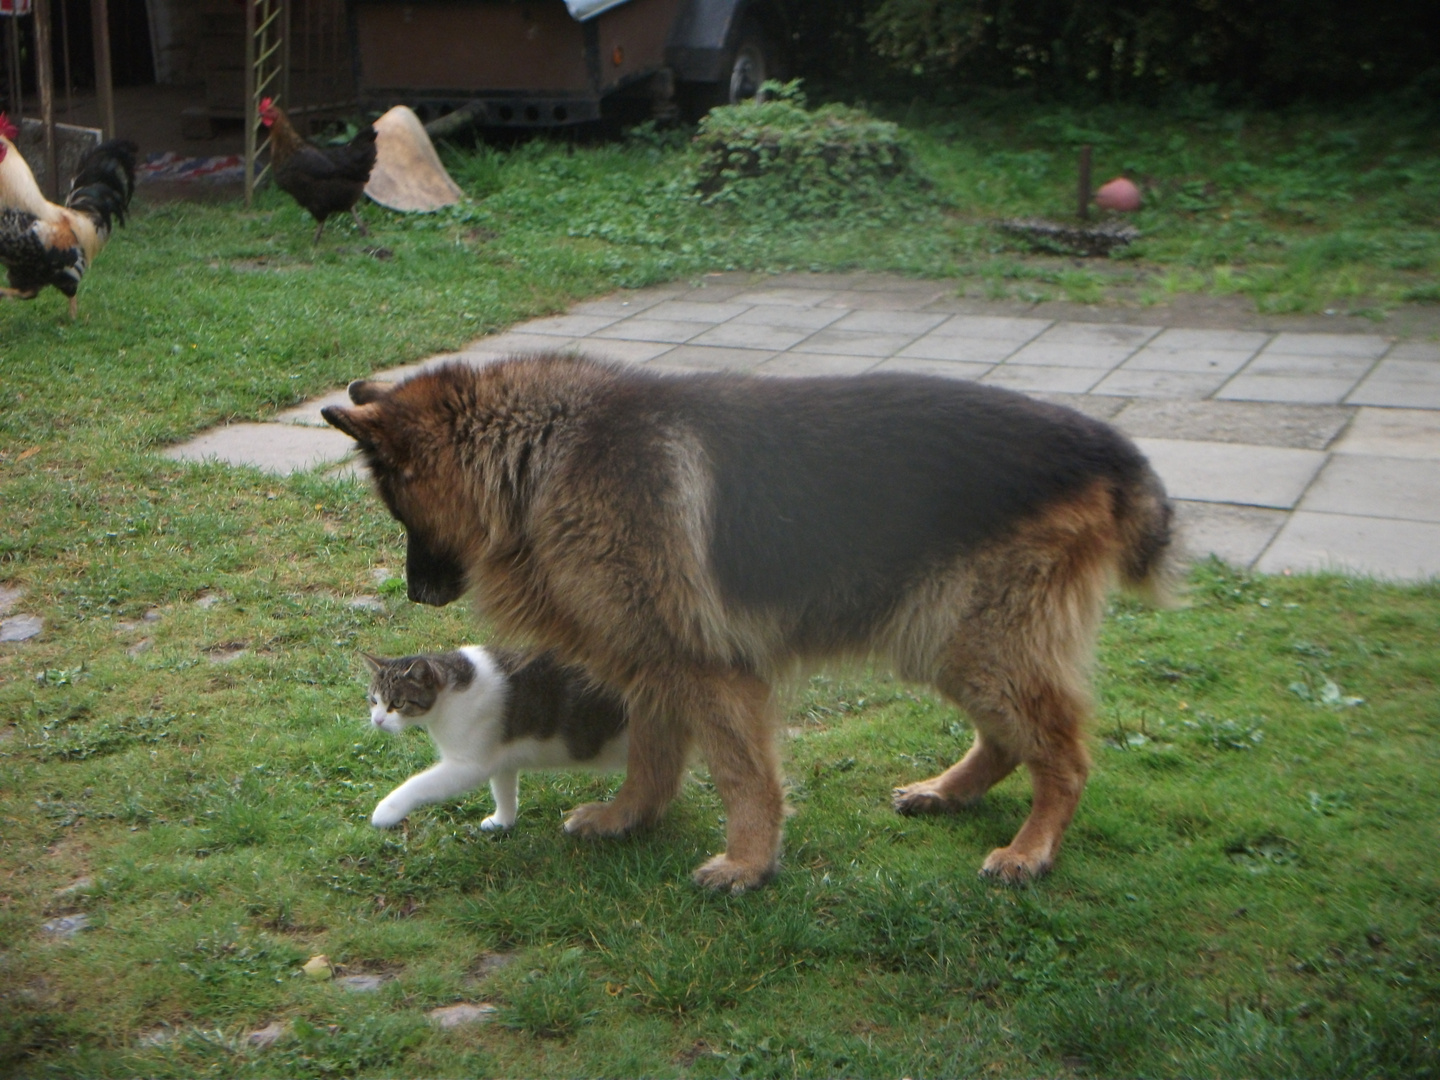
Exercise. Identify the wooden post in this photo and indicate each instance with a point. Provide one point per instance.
(12, 68)
(45, 78)
(252, 117)
(1084, 192)
(65, 53)
(104, 81)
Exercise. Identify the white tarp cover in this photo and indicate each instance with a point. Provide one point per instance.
(408, 175)
(580, 10)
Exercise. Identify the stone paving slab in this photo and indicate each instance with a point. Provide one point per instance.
(1371, 546)
(1284, 447)
(1384, 487)
(1271, 476)
(1401, 433)
(1400, 382)
(272, 448)
(1236, 534)
(1302, 427)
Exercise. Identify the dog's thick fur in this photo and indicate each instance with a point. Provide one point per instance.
(690, 538)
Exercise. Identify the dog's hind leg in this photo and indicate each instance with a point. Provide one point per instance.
(659, 745)
(737, 735)
(1054, 754)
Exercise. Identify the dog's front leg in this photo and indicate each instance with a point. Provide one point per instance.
(737, 735)
(659, 744)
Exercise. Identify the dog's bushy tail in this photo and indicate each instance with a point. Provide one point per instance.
(1149, 559)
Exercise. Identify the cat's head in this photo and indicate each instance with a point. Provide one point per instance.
(404, 691)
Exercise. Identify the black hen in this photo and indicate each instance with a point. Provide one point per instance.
(324, 180)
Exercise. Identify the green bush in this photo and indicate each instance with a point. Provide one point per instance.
(773, 154)
(1274, 50)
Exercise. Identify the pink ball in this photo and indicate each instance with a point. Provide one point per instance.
(1118, 194)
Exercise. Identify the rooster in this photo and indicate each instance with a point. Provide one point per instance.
(44, 244)
(324, 180)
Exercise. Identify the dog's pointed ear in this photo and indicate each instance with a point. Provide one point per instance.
(362, 423)
(364, 391)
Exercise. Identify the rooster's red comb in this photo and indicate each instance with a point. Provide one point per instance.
(7, 129)
(266, 104)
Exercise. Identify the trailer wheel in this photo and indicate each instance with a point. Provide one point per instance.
(752, 62)
(754, 59)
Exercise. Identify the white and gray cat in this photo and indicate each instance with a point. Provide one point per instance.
(491, 713)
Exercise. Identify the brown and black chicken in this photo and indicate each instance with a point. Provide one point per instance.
(324, 180)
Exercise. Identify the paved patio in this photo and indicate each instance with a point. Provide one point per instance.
(1286, 450)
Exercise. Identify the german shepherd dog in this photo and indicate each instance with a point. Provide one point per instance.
(691, 538)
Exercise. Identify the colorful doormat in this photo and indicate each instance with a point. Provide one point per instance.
(169, 166)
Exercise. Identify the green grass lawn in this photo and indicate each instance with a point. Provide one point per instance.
(1249, 888)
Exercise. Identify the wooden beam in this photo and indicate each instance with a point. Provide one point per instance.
(104, 81)
(252, 119)
(45, 78)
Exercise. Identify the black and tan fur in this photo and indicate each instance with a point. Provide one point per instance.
(689, 539)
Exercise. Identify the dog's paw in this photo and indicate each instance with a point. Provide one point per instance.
(494, 824)
(386, 817)
(599, 819)
(1010, 866)
(723, 874)
(919, 799)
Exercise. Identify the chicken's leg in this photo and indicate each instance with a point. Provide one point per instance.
(359, 222)
(318, 230)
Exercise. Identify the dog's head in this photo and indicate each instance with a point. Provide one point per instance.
(412, 458)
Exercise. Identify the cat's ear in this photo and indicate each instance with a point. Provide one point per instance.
(425, 673)
(374, 663)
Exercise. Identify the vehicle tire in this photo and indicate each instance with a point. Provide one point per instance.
(754, 58)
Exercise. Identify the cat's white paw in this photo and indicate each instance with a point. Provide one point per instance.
(494, 824)
(386, 817)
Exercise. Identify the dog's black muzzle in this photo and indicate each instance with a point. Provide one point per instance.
(431, 577)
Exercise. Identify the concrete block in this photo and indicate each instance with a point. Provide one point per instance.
(788, 317)
(945, 369)
(1123, 382)
(1233, 472)
(1376, 547)
(1399, 433)
(992, 328)
(913, 323)
(854, 342)
(795, 364)
(273, 448)
(696, 312)
(1384, 487)
(712, 358)
(567, 326)
(1303, 427)
(1049, 353)
(1100, 334)
(1236, 534)
(1297, 389)
(1400, 382)
(740, 335)
(1039, 379)
(645, 328)
(959, 349)
(1362, 346)
(1181, 339)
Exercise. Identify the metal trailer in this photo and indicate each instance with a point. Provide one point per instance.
(550, 63)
